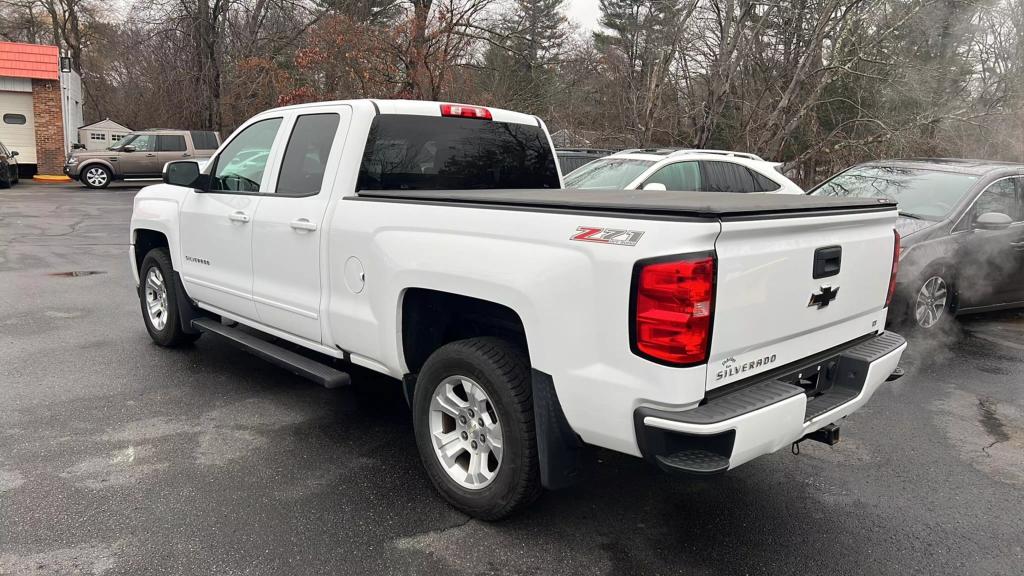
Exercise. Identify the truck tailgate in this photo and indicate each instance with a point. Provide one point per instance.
(770, 310)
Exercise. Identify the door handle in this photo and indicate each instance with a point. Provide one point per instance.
(239, 216)
(303, 224)
(150, 155)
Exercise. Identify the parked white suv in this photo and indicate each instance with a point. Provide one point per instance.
(682, 170)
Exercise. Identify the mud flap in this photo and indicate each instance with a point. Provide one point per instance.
(187, 311)
(558, 447)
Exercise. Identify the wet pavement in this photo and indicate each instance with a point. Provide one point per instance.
(118, 457)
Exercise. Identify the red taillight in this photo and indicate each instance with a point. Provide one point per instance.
(674, 302)
(895, 268)
(460, 111)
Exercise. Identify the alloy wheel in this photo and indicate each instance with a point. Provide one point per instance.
(156, 298)
(96, 176)
(931, 302)
(465, 432)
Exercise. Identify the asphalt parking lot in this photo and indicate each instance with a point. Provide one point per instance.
(118, 457)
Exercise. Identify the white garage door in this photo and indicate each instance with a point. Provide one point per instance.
(17, 128)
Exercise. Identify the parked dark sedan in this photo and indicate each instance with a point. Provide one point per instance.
(8, 167)
(962, 229)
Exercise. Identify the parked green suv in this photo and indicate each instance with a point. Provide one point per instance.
(139, 155)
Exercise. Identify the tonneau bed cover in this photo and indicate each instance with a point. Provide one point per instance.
(721, 205)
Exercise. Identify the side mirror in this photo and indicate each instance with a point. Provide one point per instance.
(128, 148)
(655, 186)
(77, 146)
(183, 173)
(14, 153)
(992, 221)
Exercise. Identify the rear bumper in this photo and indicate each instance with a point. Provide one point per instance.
(759, 417)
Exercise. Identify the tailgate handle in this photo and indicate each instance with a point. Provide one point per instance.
(827, 261)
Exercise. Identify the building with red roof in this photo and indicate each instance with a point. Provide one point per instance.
(40, 106)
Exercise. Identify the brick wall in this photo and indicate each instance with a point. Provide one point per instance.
(49, 124)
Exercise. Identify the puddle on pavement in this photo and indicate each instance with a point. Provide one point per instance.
(990, 421)
(75, 273)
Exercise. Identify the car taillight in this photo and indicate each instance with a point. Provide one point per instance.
(673, 303)
(460, 111)
(895, 268)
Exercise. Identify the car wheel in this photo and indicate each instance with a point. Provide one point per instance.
(931, 306)
(96, 176)
(5, 181)
(16, 177)
(159, 300)
(473, 420)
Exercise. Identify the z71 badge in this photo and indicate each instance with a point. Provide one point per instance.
(607, 236)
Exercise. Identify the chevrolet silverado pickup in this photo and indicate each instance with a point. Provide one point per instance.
(433, 243)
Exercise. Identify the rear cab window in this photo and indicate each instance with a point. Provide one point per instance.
(412, 152)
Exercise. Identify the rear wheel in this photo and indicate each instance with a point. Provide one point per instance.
(5, 178)
(473, 419)
(159, 300)
(96, 176)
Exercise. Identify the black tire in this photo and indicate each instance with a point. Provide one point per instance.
(6, 181)
(920, 299)
(170, 334)
(503, 371)
(101, 181)
(17, 178)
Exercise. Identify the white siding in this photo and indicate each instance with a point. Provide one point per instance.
(8, 84)
(71, 90)
(20, 137)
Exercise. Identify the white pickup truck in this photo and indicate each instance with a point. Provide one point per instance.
(432, 243)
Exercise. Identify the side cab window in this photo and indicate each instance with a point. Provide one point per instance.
(678, 176)
(241, 164)
(727, 177)
(171, 142)
(305, 157)
(1001, 196)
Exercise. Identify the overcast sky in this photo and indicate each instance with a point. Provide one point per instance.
(584, 12)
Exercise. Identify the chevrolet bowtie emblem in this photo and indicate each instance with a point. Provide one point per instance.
(823, 297)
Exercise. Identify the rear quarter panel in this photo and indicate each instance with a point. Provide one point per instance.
(572, 296)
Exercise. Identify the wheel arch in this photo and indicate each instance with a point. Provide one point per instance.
(97, 161)
(146, 239)
(431, 318)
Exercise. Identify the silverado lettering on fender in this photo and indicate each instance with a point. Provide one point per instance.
(432, 243)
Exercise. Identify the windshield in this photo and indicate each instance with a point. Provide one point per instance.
(614, 173)
(925, 194)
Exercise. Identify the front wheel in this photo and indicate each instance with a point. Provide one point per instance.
(473, 420)
(96, 176)
(159, 300)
